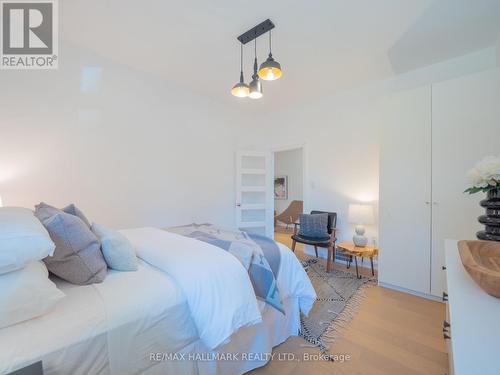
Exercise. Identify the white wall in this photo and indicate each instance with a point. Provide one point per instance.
(341, 137)
(130, 151)
(341, 153)
(134, 150)
(289, 163)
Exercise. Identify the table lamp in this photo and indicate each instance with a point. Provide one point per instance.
(360, 214)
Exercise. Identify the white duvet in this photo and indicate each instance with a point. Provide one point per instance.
(217, 287)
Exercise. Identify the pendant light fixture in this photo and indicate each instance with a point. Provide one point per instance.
(255, 85)
(241, 89)
(270, 69)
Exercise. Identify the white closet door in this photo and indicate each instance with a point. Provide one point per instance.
(466, 127)
(405, 190)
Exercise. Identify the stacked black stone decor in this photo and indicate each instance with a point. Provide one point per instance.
(492, 218)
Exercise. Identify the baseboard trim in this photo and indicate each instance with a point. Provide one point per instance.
(409, 291)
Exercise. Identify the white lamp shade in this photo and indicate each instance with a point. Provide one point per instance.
(1, 203)
(361, 214)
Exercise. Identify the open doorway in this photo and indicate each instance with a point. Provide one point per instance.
(288, 188)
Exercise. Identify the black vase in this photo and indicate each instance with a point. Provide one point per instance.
(492, 218)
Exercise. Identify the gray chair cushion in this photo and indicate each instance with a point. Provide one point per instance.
(77, 257)
(314, 226)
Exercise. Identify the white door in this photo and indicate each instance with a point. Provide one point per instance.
(405, 191)
(466, 128)
(255, 192)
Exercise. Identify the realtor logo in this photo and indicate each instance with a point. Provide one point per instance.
(29, 34)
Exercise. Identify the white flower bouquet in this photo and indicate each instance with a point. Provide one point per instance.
(485, 176)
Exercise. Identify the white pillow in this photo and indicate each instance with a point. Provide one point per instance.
(118, 252)
(26, 294)
(23, 239)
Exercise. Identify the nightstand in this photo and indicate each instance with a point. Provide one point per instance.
(349, 249)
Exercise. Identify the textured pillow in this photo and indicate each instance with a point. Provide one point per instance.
(77, 258)
(44, 211)
(23, 239)
(314, 226)
(27, 294)
(73, 210)
(116, 248)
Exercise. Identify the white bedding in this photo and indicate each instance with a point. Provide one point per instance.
(293, 281)
(217, 287)
(108, 328)
(113, 327)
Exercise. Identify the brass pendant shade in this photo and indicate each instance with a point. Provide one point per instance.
(270, 70)
(241, 89)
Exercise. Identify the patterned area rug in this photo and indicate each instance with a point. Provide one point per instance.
(339, 294)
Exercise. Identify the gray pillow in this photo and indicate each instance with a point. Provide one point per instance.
(77, 257)
(314, 226)
(73, 210)
(45, 211)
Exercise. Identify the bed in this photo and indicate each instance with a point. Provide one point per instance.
(142, 323)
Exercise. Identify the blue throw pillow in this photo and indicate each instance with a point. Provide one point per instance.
(117, 250)
(314, 226)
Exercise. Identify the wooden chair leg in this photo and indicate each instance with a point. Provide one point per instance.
(293, 245)
(329, 258)
(316, 250)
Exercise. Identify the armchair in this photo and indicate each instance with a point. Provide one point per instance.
(326, 242)
(290, 214)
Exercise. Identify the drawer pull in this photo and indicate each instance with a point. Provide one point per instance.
(443, 268)
(445, 296)
(446, 337)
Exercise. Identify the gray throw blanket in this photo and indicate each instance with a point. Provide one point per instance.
(258, 254)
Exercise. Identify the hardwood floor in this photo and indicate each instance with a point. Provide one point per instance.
(393, 333)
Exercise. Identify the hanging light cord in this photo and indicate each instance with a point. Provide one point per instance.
(270, 43)
(255, 61)
(241, 57)
(255, 47)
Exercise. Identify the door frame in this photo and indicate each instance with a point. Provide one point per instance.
(305, 169)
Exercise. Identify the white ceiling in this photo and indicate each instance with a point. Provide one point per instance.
(323, 46)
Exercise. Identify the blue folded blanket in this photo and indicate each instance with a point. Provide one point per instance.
(258, 254)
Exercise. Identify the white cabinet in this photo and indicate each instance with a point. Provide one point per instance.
(465, 128)
(430, 137)
(405, 189)
(473, 317)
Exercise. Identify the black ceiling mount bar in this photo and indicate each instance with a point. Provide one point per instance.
(256, 31)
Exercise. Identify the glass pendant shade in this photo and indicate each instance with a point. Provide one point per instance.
(270, 69)
(241, 89)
